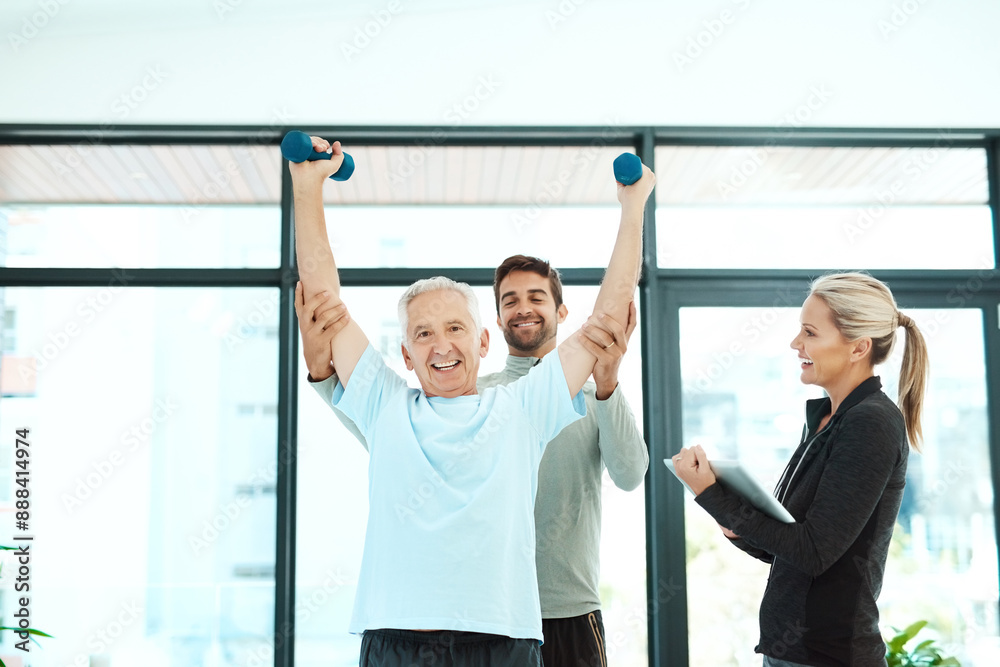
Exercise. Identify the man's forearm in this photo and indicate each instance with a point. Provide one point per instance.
(317, 269)
(622, 446)
(624, 268)
(620, 280)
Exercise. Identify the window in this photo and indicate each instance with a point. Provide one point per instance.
(765, 207)
(169, 206)
(154, 407)
(154, 525)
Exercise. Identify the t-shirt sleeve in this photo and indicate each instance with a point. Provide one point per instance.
(371, 387)
(544, 398)
(325, 389)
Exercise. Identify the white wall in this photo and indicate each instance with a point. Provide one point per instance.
(920, 63)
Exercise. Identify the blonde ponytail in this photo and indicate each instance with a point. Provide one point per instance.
(912, 379)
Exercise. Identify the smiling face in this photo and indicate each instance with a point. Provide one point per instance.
(827, 359)
(443, 346)
(528, 316)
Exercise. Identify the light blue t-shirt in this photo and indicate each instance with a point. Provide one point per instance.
(450, 542)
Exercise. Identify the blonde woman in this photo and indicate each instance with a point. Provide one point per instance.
(843, 485)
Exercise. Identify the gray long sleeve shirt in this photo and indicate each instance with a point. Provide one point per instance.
(568, 503)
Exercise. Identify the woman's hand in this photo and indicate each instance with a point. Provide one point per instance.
(728, 533)
(693, 468)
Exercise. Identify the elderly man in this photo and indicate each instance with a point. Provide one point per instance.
(528, 294)
(454, 579)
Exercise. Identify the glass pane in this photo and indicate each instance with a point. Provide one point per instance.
(428, 174)
(142, 236)
(333, 492)
(152, 417)
(743, 399)
(172, 206)
(943, 566)
(781, 207)
(403, 201)
(410, 236)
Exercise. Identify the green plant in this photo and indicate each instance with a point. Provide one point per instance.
(923, 655)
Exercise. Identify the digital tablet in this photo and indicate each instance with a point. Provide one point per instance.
(737, 479)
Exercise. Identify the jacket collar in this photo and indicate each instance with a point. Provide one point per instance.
(817, 408)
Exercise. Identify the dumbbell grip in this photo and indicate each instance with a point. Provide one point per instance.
(296, 146)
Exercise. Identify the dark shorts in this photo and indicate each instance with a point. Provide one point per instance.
(446, 648)
(574, 642)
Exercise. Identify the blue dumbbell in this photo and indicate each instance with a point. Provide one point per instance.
(297, 147)
(628, 168)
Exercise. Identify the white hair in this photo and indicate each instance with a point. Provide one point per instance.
(431, 285)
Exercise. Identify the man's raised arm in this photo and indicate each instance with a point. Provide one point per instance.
(620, 280)
(317, 269)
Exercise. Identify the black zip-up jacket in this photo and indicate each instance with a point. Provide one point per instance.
(843, 485)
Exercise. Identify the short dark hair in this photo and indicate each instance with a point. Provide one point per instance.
(532, 264)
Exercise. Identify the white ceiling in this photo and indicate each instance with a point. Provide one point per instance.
(496, 175)
(559, 63)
